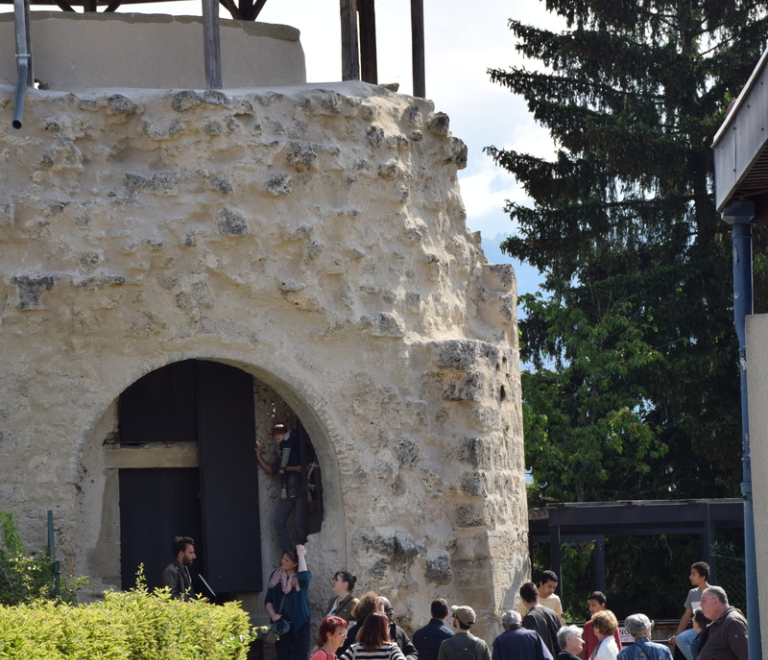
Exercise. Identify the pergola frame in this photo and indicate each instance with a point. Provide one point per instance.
(575, 522)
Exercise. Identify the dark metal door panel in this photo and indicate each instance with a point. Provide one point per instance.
(160, 407)
(229, 477)
(156, 505)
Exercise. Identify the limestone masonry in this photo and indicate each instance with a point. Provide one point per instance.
(312, 236)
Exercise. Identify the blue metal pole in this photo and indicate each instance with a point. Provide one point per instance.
(739, 215)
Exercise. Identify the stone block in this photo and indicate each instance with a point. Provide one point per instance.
(31, 289)
(464, 354)
(438, 567)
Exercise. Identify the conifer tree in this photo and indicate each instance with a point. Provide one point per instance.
(633, 388)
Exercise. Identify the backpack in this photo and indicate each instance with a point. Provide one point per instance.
(467, 653)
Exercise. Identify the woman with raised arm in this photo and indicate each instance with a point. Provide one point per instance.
(287, 599)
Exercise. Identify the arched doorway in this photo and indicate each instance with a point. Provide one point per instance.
(197, 419)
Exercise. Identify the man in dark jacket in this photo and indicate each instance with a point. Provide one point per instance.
(427, 640)
(518, 643)
(176, 575)
(540, 619)
(397, 634)
(726, 637)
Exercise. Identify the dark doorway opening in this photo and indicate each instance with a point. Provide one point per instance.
(211, 405)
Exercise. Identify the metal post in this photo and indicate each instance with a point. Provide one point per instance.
(417, 48)
(739, 215)
(366, 11)
(52, 553)
(600, 563)
(350, 56)
(212, 44)
(23, 59)
(554, 555)
(707, 542)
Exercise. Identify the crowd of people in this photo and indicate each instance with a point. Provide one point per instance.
(535, 631)
(365, 629)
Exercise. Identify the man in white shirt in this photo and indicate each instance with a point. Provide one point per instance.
(547, 596)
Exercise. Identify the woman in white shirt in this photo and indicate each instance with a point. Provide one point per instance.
(604, 624)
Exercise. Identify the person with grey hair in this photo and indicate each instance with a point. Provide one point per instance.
(518, 643)
(726, 637)
(570, 641)
(640, 626)
(510, 618)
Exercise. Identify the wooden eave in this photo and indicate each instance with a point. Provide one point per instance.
(740, 145)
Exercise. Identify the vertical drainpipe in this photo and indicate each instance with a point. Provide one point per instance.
(739, 215)
(23, 59)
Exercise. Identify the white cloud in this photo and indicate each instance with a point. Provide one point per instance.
(486, 189)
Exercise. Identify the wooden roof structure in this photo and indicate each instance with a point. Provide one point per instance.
(358, 32)
(593, 521)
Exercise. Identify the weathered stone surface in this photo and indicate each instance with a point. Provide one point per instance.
(439, 123)
(30, 289)
(314, 238)
(439, 568)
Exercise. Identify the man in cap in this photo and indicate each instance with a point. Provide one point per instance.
(287, 464)
(463, 645)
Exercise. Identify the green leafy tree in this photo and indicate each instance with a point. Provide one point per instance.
(634, 388)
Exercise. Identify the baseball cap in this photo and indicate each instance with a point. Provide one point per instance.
(464, 614)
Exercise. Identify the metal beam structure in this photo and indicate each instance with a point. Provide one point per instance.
(592, 521)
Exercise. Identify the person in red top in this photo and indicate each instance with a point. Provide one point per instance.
(597, 603)
(332, 633)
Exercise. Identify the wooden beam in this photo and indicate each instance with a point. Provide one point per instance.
(259, 6)
(212, 44)
(112, 6)
(350, 58)
(233, 9)
(64, 6)
(89, 5)
(368, 66)
(417, 48)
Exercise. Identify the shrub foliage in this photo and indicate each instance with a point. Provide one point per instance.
(24, 577)
(133, 625)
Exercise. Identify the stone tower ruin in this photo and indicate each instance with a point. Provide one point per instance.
(306, 241)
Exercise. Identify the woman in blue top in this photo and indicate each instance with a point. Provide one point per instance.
(287, 598)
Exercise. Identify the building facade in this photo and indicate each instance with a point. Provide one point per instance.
(180, 269)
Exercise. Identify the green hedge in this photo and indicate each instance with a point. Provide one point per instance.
(133, 625)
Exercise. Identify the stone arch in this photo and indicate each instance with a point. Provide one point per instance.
(97, 518)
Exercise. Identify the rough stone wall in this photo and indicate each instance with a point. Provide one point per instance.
(313, 237)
